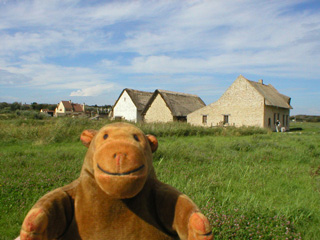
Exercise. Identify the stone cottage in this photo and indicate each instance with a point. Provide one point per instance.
(130, 105)
(167, 106)
(245, 103)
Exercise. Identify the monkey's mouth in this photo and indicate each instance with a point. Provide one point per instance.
(121, 174)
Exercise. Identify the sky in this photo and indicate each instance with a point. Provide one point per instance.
(89, 51)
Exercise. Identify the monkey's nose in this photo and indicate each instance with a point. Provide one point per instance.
(119, 157)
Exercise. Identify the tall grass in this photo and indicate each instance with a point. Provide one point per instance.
(53, 130)
(47, 131)
(250, 187)
(249, 182)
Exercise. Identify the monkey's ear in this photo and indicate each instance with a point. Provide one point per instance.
(87, 136)
(153, 142)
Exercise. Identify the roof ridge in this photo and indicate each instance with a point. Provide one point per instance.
(135, 90)
(176, 93)
(186, 102)
(138, 97)
(269, 93)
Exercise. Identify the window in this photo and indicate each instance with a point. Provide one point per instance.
(269, 122)
(225, 119)
(204, 119)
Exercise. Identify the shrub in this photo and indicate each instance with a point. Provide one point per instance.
(31, 114)
(183, 129)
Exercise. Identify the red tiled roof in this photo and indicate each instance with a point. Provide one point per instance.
(77, 107)
(67, 105)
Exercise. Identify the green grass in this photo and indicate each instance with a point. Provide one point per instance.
(27, 171)
(249, 182)
(306, 127)
(270, 181)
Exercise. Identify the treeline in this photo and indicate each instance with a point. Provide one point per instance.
(305, 118)
(12, 107)
(16, 106)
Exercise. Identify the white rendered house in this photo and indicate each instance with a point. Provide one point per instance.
(130, 105)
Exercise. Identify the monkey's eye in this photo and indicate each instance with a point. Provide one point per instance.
(105, 136)
(136, 138)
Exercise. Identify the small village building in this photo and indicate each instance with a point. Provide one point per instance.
(47, 112)
(130, 105)
(167, 106)
(69, 108)
(245, 103)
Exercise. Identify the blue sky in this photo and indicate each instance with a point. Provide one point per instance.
(88, 51)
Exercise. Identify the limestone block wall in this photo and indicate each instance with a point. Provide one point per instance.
(274, 113)
(243, 105)
(158, 111)
(125, 108)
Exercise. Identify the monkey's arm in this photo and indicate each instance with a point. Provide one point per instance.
(51, 216)
(180, 215)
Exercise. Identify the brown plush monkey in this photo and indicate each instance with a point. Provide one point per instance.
(117, 196)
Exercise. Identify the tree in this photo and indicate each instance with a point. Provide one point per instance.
(34, 105)
(15, 106)
(4, 105)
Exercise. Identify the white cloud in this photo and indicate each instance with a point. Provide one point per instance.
(228, 37)
(93, 91)
(280, 63)
(194, 28)
(79, 45)
(52, 77)
(212, 25)
(8, 78)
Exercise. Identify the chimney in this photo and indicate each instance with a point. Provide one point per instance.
(261, 81)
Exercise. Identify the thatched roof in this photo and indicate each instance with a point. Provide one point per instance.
(139, 98)
(271, 96)
(180, 104)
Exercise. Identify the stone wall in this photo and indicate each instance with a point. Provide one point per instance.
(241, 103)
(158, 111)
(273, 113)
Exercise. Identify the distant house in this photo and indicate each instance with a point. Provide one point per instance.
(245, 103)
(167, 106)
(130, 105)
(69, 108)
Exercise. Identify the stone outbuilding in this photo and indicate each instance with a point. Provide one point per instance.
(167, 106)
(130, 105)
(245, 103)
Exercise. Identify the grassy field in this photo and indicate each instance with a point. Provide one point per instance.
(251, 183)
